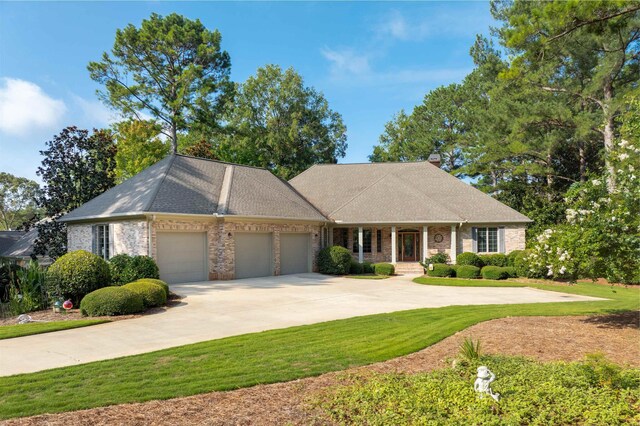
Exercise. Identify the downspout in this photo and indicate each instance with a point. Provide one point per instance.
(149, 226)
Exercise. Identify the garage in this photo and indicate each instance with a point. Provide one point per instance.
(253, 256)
(182, 256)
(294, 253)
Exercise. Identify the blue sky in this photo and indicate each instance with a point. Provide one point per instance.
(369, 59)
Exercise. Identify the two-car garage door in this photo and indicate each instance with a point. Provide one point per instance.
(254, 254)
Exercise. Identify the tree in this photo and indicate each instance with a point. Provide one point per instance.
(397, 142)
(77, 167)
(586, 50)
(138, 147)
(17, 200)
(281, 124)
(201, 149)
(171, 68)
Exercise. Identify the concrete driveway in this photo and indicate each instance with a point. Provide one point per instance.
(212, 310)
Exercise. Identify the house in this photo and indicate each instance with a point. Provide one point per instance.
(203, 219)
(20, 247)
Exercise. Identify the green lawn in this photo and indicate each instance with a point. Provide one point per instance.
(367, 277)
(19, 330)
(462, 282)
(273, 356)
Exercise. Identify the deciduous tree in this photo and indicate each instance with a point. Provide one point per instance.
(17, 200)
(138, 147)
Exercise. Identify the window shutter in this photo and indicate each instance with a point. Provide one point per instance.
(94, 236)
(474, 240)
(501, 248)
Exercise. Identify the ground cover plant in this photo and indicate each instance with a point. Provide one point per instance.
(463, 282)
(19, 330)
(276, 355)
(590, 392)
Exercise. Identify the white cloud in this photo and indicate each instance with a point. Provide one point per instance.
(24, 107)
(346, 61)
(95, 112)
(396, 26)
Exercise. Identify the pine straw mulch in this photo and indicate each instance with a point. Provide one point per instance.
(543, 338)
(74, 314)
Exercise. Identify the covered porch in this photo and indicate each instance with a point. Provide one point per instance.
(399, 243)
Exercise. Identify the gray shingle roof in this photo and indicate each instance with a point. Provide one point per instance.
(398, 192)
(23, 247)
(8, 238)
(189, 185)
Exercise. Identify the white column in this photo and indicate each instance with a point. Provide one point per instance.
(360, 245)
(454, 243)
(394, 245)
(425, 242)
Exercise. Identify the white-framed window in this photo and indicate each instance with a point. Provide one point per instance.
(366, 240)
(487, 239)
(101, 241)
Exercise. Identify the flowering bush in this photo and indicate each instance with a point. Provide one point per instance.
(602, 235)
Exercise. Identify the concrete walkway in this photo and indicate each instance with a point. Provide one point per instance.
(212, 310)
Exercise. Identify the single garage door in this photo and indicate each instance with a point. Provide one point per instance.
(294, 253)
(253, 254)
(182, 256)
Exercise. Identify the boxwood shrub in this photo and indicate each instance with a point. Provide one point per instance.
(494, 273)
(355, 268)
(441, 270)
(109, 301)
(125, 268)
(469, 258)
(367, 268)
(496, 259)
(76, 274)
(468, 271)
(334, 260)
(161, 283)
(511, 272)
(152, 294)
(384, 269)
(511, 257)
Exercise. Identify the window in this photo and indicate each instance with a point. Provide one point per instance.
(366, 240)
(343, 237)
(379, 241)
(101, 241)
(487, 240)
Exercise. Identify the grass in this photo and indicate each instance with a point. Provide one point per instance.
(367, 277)
(463, 282)
(19, 330)
(273, 356)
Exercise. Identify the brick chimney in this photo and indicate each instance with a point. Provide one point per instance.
(434, 159)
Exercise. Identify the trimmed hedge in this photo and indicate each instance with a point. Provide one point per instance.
(152, 294)
(161, 283)
(76, 274)
(494, 273)
(468, 271)
(437, 258)
(441, 270)
(511, 271)
(126, 269)
(334, 260)
(384, 269)
(367, 268)
(469, 258)
(109, 301)
(511, 257)
(496, 259)
(355, 268)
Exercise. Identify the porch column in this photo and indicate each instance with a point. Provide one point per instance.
(454, 243)
(425, 242)
(330, 235)
(360, 245)
(394, 245)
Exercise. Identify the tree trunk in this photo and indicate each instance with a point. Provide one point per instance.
(549, 175)
(583, 161)
(608, 134)
(174, 138)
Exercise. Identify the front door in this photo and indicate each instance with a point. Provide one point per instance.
(408, 247)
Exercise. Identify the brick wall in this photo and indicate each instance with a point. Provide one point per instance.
(514, 237)
(128, 236)
(79, 237)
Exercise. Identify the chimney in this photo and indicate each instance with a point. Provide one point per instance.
(434, 159)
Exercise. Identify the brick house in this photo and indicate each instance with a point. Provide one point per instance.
(208, 220)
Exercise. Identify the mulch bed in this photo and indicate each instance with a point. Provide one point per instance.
(74, 314)
(542, 338)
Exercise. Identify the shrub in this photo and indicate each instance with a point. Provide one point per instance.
(497, 259)
(437, 258)
(367, 268)
(161, 283)
(441, 270)
(111, 301)
(455, 268)
(355, 268)
(76, 274)
(521, 264)
(152, 294)
(511, 272)
(383, 269)
(125, 268)
(468, 271)
(468, 258)
(334, 260)
(511, 257)
(494, 273)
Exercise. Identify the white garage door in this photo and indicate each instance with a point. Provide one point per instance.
(294, 253)
(182, 256)
(253, 255)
